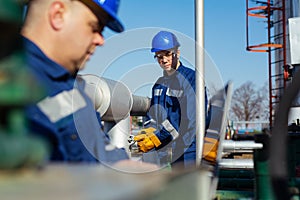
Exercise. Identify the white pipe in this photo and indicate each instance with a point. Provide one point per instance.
(236, 164)
(199, 68)
(112, 99)
(140, 105)
(230, 145)
(118, 132)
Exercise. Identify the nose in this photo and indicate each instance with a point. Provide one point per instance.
(165, 59)
(98, 39)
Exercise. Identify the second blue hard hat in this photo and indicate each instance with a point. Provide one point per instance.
(164, 40)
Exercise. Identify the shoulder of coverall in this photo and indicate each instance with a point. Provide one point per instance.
(187, 75)
(184, 71)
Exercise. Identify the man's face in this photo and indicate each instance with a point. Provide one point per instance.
(164, 58)
(85, 34)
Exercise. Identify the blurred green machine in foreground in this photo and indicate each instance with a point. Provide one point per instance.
(17, 89)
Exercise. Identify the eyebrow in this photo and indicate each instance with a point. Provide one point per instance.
(96, 25)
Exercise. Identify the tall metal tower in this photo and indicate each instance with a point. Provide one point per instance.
(275, 14)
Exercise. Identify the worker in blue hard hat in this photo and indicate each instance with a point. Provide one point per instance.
(171, 118)
(75, 25)
(59, 37)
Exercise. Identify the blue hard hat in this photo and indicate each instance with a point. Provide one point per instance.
(111, 8)
(164, 40)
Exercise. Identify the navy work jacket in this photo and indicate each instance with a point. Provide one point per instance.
(66, 117)
(173, 113)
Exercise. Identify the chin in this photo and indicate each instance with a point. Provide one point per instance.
(81, 68)
(82, 65)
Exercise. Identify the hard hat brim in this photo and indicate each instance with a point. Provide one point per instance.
(153, 50)
(113, 22)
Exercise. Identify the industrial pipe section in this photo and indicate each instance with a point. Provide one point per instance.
(113, 100)
(240, 146)
(115, 104)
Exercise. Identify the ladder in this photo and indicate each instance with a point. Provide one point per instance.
(273, 14)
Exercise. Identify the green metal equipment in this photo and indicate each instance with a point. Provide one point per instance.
(18, 148)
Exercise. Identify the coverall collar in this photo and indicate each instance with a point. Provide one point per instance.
(51, 68)
(174, 74)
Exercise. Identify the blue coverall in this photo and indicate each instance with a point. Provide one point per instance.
(66, 117)
(173, 113)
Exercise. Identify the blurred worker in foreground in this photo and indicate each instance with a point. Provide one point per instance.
(59, 37)
(17, 89)
(172, 117)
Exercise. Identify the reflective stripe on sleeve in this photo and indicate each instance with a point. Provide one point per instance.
(174, 93)
(62, 105)
(158, 92)
(170, 92)
(170, 128)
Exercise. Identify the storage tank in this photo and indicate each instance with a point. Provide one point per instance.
(292, 39)
(292, 10)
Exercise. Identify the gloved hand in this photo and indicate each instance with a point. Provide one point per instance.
(210, 149)
(147, 140)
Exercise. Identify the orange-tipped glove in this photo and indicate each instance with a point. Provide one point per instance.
(210, 149)
(147, 140)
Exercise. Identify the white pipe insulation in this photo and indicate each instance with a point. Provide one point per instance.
(115, 104)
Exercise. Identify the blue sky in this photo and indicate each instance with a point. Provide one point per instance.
(126, 56)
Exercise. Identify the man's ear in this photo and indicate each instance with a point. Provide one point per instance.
(56, 14)
(178, 53)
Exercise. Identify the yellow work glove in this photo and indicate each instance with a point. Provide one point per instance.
(210, 149)
(147, 140)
